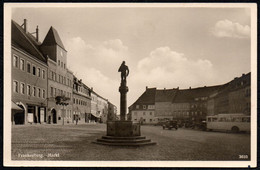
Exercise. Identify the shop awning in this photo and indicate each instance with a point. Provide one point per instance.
(95, 115)
(15, 107)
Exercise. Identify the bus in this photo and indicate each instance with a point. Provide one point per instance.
(229, 122)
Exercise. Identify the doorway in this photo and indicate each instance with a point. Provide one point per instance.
(54, 116)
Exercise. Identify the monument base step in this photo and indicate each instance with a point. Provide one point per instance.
(124, 141)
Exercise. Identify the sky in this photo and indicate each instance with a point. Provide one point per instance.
(165, 47)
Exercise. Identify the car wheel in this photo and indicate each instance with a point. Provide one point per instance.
(235, 129)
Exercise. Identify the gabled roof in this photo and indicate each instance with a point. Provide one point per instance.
(165, 95)
(148, 97)
(25, 42)
(53, 38)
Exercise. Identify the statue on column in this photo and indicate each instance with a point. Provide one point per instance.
(124, 72)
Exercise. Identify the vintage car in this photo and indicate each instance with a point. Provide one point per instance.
(170, 124)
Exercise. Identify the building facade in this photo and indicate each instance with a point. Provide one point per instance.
(29, 76)
(81, 102)
(60, 80)
(143, 110)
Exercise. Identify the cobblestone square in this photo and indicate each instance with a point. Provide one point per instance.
(74, 142)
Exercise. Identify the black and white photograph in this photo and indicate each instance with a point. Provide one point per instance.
(130, 84)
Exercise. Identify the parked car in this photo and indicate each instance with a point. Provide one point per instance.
(160, 123)
(170, 124)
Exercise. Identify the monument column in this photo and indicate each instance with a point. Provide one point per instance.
(123, 89)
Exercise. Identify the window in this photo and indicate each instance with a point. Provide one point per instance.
(137, 106)
(39, 72)
(34, 70)
(34, 91)
(61, 64)
(58, 62)
(43, 74)
(144, 113)
(151, 113)
(61, 92)
(39, 92)
(15, 61)
(64, 65)
(15, 86)
(51, 91)
(54, 76)
(22, 67)
(59, 79)
(74, 100)
(22, 88)
(64, 80)
(54, 92)
(43, 94)
(144, 106)
(151, 120)
(28, 90)
(28, 67)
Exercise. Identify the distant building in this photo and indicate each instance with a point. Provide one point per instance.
(102, 108)
(233, 97)
(112, 111)
(163, 103)
(29, 76)
(81, 101)
(193, 104)
(143, 110)
(95, 116)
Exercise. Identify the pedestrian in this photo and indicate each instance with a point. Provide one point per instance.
(77, 119)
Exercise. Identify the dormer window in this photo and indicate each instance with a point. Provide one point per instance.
(137, 106)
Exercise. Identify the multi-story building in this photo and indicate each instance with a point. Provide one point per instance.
(233, 97)
(60, 79)
(95, 116)
(102, 108)
(81, 101)
(143, 110)
(163, 103)
(181, 105)
(29, 76)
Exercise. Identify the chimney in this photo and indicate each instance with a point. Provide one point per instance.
(37, 33)
(91, 88)
(243, 74)
(25, 25)
(178, 88)
(164, 89)
(146, 87)
(190, 88)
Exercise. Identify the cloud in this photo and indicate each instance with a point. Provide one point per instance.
(226, 28)
(167, 68)
(97, 64)
(105, 56)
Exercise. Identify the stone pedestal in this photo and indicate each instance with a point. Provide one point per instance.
(123, 128)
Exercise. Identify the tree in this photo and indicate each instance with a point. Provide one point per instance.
(64, 101)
